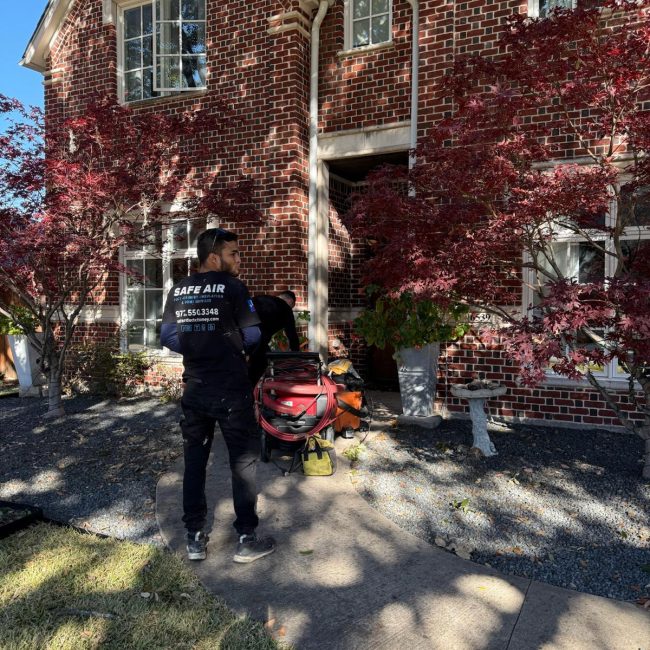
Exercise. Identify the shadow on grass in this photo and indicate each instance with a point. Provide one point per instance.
(98, 464)
(61, 588)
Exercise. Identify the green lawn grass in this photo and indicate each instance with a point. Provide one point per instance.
(66, 590)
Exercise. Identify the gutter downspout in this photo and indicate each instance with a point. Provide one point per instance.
(317, 307)
(415, 78)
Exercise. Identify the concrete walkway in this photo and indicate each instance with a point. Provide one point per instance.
(346, 577)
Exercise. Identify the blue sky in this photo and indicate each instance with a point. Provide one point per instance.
(17, 23)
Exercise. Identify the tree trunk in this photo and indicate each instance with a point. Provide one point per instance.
(646, 458)
(55, 405)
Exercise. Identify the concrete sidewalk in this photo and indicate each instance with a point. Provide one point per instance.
(346, 577)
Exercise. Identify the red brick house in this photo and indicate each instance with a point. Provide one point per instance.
(326, 91)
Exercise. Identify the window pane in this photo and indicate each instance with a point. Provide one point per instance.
(379, 6)
(179, 235)
(586, 342)
(135, 304)
(132, 58)
(194, 71)
(195, 230)
(135, 334)
(380, 29)
(193, 9)
(168, 38)
(169, 74)
(193, 38)
(635, 208)
(360, 35)
(147, 83)
(591, 263)
(132, 23)
(147, 51)
(153, 334)
(147, 20)
(179, 269)
(636, 255)
(167, 10)
(133, 86)
(137, 267)
(153, 273)
(360, 8)
(154, 304)
(154, 240)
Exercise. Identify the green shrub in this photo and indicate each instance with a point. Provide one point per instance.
(101, 369)
(405, 322)
(21, 321)
(171, 385)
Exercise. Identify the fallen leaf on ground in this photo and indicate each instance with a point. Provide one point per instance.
(307, 551)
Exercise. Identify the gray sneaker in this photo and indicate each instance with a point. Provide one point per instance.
(196, 545)
(251, 548)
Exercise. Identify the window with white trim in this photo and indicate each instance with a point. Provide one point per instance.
(157, 265)
(541, 8)
(162, 48)
(367, 22)
(136, 27)
(593, 261)
(179, 46)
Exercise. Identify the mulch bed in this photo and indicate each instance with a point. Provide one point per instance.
(96, 468)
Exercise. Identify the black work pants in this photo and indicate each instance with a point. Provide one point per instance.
(203, 406)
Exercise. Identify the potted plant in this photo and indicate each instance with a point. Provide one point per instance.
(414, 328)
(19, 328)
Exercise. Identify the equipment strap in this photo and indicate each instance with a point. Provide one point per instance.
(346, 407)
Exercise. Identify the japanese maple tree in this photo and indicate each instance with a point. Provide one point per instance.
(71, 198)
(494, 193)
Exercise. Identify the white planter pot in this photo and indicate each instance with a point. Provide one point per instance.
(30, 378)
(417, 370)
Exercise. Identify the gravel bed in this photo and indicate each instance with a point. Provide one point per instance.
(97, 468)
(562, 506)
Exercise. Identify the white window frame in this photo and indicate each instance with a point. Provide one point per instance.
(635, 233)
(156, 82)
(533, 6)
(167, 254)
(123, 6)
(348, 28)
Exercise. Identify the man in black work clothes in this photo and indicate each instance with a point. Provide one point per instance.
(275, 313)
(210, 319)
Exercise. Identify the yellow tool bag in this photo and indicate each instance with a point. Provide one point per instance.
(318, 457)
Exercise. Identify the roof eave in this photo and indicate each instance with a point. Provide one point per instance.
(38, 48)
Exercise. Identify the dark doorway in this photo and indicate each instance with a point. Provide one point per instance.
(347, 176)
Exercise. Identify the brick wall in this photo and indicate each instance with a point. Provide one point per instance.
(265, 78)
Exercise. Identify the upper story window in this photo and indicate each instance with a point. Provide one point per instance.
(367, 22)
(162, 48)
(137, 53)
(179, 48)
(541, 8)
